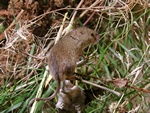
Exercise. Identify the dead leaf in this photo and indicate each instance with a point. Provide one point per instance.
(119, 82)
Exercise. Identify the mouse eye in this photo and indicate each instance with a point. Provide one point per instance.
(92, 34)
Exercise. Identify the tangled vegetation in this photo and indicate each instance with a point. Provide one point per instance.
(120, 61)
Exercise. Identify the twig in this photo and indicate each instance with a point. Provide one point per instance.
(96, 9)
(94, 77)
(61, 29)
(138, 89)
(89, 18)
(92, 15)
(102, 87)
(94, 4)
(73, 18)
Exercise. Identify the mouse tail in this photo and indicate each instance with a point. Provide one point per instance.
(48, 98)
(52, 96)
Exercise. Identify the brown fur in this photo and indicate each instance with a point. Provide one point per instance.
(66, 53)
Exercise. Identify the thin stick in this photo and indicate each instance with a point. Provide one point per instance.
(61, 29)
(92, 15)
(102, 87)
(94, 4)
(89, 18)
(73, 18)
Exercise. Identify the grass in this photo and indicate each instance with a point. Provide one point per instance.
(123, 52)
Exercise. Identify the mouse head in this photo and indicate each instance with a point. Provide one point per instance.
(87, 36)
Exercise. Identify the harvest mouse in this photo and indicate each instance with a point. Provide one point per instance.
(66, 53)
